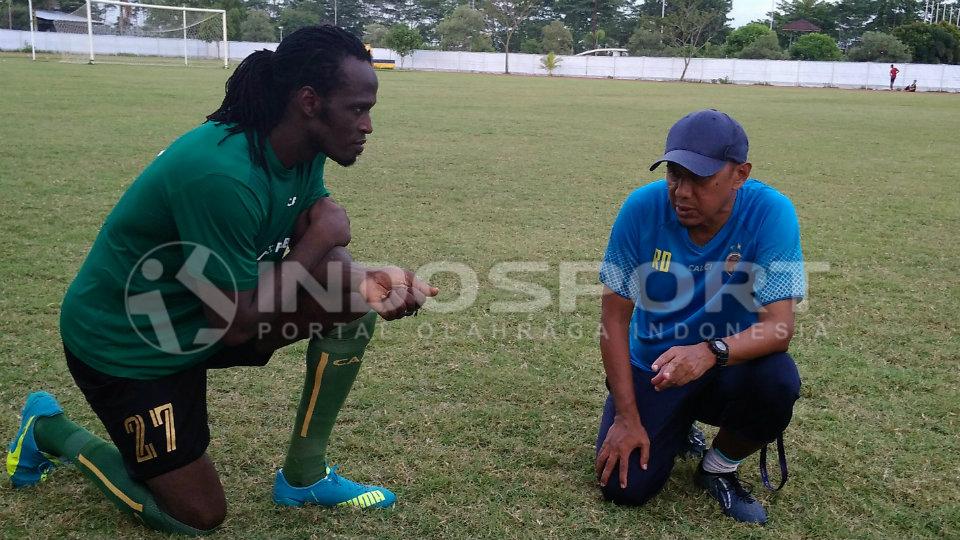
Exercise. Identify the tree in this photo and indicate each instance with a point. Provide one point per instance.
(687, 29)
(765, 47)
(931, 43)
(426, 15)
(557, 38)
(236, 16)
(815, 46)
(595, 40)
(531, 46)
(717, 29)
(879, 47)
(647, 39)
(550, 62)
(257, 27)
(403, 39)
(374, 34)
(584, 17)
(350, 14)
(464, 30)
(509, 15)
(267, 6)
(743, 36)
(712, 50)
(819, 12)
(293, 18)
(854, 17)
(889, 14)
(296, 14)
(17, 17)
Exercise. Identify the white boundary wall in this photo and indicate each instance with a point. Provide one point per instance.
(929, 77)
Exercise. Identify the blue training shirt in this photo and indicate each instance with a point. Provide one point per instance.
(685, 293)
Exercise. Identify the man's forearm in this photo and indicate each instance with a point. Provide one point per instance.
(615, 350)
(329, 265)
(620, 383)
(339, 267)
(761, 339)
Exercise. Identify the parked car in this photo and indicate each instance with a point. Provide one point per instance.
(603, 52)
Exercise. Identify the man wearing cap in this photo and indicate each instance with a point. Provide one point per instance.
(701, 275)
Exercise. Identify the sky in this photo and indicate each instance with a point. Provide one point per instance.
(745, 11)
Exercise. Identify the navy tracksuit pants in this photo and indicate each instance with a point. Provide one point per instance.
(753, 400)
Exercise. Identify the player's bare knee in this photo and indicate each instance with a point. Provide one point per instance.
(203, 514)
(210, 517)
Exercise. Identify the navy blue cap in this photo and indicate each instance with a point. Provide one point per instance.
(704, 141)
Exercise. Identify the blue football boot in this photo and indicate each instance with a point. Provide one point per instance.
(333, 490)
(26, 464)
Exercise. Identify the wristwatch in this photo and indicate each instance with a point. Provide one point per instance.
(719, 349)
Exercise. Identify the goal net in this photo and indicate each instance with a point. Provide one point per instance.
(109, 31)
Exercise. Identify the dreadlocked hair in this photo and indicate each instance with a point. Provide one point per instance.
(258, 91)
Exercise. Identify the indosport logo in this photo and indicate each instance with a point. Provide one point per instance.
(161, 292)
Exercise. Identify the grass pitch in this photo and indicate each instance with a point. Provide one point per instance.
(484, 423)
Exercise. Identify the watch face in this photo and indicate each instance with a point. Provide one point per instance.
(720, 345)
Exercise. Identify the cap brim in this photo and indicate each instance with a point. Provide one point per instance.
(692, 161)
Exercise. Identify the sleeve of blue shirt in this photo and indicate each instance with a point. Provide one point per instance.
(779, 254)
(623, 257)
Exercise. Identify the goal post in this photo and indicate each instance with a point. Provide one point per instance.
(125, 32)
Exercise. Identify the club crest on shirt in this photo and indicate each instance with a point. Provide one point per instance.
(730, 262)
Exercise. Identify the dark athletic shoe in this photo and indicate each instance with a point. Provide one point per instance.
(735, 500)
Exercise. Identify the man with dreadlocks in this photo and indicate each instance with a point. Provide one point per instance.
(192, 270)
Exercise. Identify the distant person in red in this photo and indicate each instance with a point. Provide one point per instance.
(893, 74)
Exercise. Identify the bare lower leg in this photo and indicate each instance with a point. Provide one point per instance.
(733, 446)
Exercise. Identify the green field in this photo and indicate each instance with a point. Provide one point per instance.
(490, 432)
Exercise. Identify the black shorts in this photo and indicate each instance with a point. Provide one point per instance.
(158, 425)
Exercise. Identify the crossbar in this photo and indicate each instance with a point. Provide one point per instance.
(170, 8)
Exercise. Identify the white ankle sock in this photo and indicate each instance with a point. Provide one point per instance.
(717, 463)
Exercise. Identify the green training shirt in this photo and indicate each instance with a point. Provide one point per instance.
(202, 210)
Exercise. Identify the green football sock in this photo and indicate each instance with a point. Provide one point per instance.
(333, 361)
(101, 463)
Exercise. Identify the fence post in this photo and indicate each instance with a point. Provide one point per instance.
(799, 64)
(733, 71)
(866, 83)
(943, 73)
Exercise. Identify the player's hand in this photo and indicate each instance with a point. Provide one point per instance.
(327, 222)
(623, 437)
(393, 292)
(682, 364)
